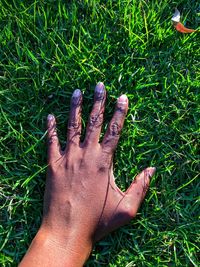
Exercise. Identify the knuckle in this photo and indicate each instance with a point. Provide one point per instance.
(74, 124)
(114, 128)
(95, 120)
(51, 127)
(73, 138)
(54, 168)
(130, 211)
(51, 167)
(53, 139)
(104, 165)
(102, 169)
(74, 119)
(122, 110)
(107, 151)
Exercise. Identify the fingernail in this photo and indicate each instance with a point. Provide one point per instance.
(99, 90)
(151, 171)
(76, 93)
(76, 96)
(50, 117)
(122, 99)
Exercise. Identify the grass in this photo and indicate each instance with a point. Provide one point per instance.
(49, 48)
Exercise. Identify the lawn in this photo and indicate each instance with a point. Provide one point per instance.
(51, 47)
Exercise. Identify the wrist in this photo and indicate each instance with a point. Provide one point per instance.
(76, 248)
(51, 250)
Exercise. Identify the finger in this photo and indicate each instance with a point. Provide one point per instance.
(96, 117)
(137, 191)
(112, 134)
(129, 204)
(53, 142)
(74, 124)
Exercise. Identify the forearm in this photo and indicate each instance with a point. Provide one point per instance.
(46, 251)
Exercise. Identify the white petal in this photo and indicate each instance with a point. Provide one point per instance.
(176, 16)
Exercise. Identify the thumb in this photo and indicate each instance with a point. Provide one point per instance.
(136, 192)
(130, 202)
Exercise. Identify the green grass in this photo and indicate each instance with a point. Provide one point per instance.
(48, 49)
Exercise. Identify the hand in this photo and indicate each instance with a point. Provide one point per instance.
(82, 203)
(81, 195)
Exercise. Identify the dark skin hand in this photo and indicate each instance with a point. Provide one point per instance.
(82, 203)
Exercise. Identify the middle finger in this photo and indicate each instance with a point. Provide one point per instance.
(96, 116)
